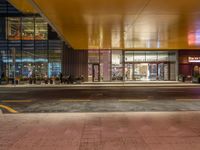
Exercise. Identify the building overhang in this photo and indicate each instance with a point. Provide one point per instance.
(121, 24)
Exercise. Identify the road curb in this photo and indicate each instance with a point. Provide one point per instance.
(85, 85)
(1, 113)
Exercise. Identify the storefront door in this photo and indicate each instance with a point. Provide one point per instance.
(141, 71)
(151, 71)
(163, 71)
(95, 73)
(128, 72)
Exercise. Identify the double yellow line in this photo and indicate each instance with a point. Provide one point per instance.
(8, 109)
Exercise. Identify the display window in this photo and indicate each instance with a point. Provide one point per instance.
(135, 65)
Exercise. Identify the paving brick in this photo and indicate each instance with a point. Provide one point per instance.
(101, 131)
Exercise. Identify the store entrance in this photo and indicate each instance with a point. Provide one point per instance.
(95, 73)
(147, 72)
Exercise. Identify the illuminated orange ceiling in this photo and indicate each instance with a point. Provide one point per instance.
(122, 24)
(23, 5)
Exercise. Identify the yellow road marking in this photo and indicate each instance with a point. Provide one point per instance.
(70, 100)
(16, 101)
(8, 109)
(132, 100)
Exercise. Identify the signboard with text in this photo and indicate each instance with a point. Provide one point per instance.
(195, 59)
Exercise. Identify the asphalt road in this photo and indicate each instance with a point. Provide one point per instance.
(99, 99)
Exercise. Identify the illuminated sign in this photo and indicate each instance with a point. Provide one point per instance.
(194, 38)
(194, 59)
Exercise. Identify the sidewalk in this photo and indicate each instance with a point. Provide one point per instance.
(101, 131)
(110, 84)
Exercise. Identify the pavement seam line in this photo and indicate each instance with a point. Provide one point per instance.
(8, 109)
(132, 100)
(75, 100)
(188, 100)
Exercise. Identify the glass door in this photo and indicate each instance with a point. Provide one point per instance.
(96, 72)
(166, 72)
(141, 71)
(152, 71)
(161, 71)
(128, 72)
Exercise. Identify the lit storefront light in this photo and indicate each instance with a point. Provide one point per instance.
(30, 60)
(194, 38)
(194, 59)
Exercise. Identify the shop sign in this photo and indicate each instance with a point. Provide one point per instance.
(194, 59)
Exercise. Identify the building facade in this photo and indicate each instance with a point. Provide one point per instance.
(27, 47)
(121, 65)
(189, 63)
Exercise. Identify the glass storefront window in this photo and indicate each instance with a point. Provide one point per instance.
(93, 60)
(129, 56)
(3, 58)
(141, 71)
(2, 28)
(27, 28)
(128, 72)
(152, 72)
(151, 56)
(13, 28)
(139, 56)
(105, 64)
(54, 69)
(40, 29)
(163, 56)
(28, 59)
(93, 56)
(54, 58)
(117, 57)
(29, 37)
(133, 65)
(14, 58)
(166, 73)
(173, 71)
(90, 72)
(41, 59)
(117, 65)
(172, 57)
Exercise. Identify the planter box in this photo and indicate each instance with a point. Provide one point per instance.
(51, 81)
(4, 82)
(195, 80)
(57, 82)
(38, 82)
(23, 82)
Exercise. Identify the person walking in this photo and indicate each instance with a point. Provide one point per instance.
(2, 77)
(61, 77)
